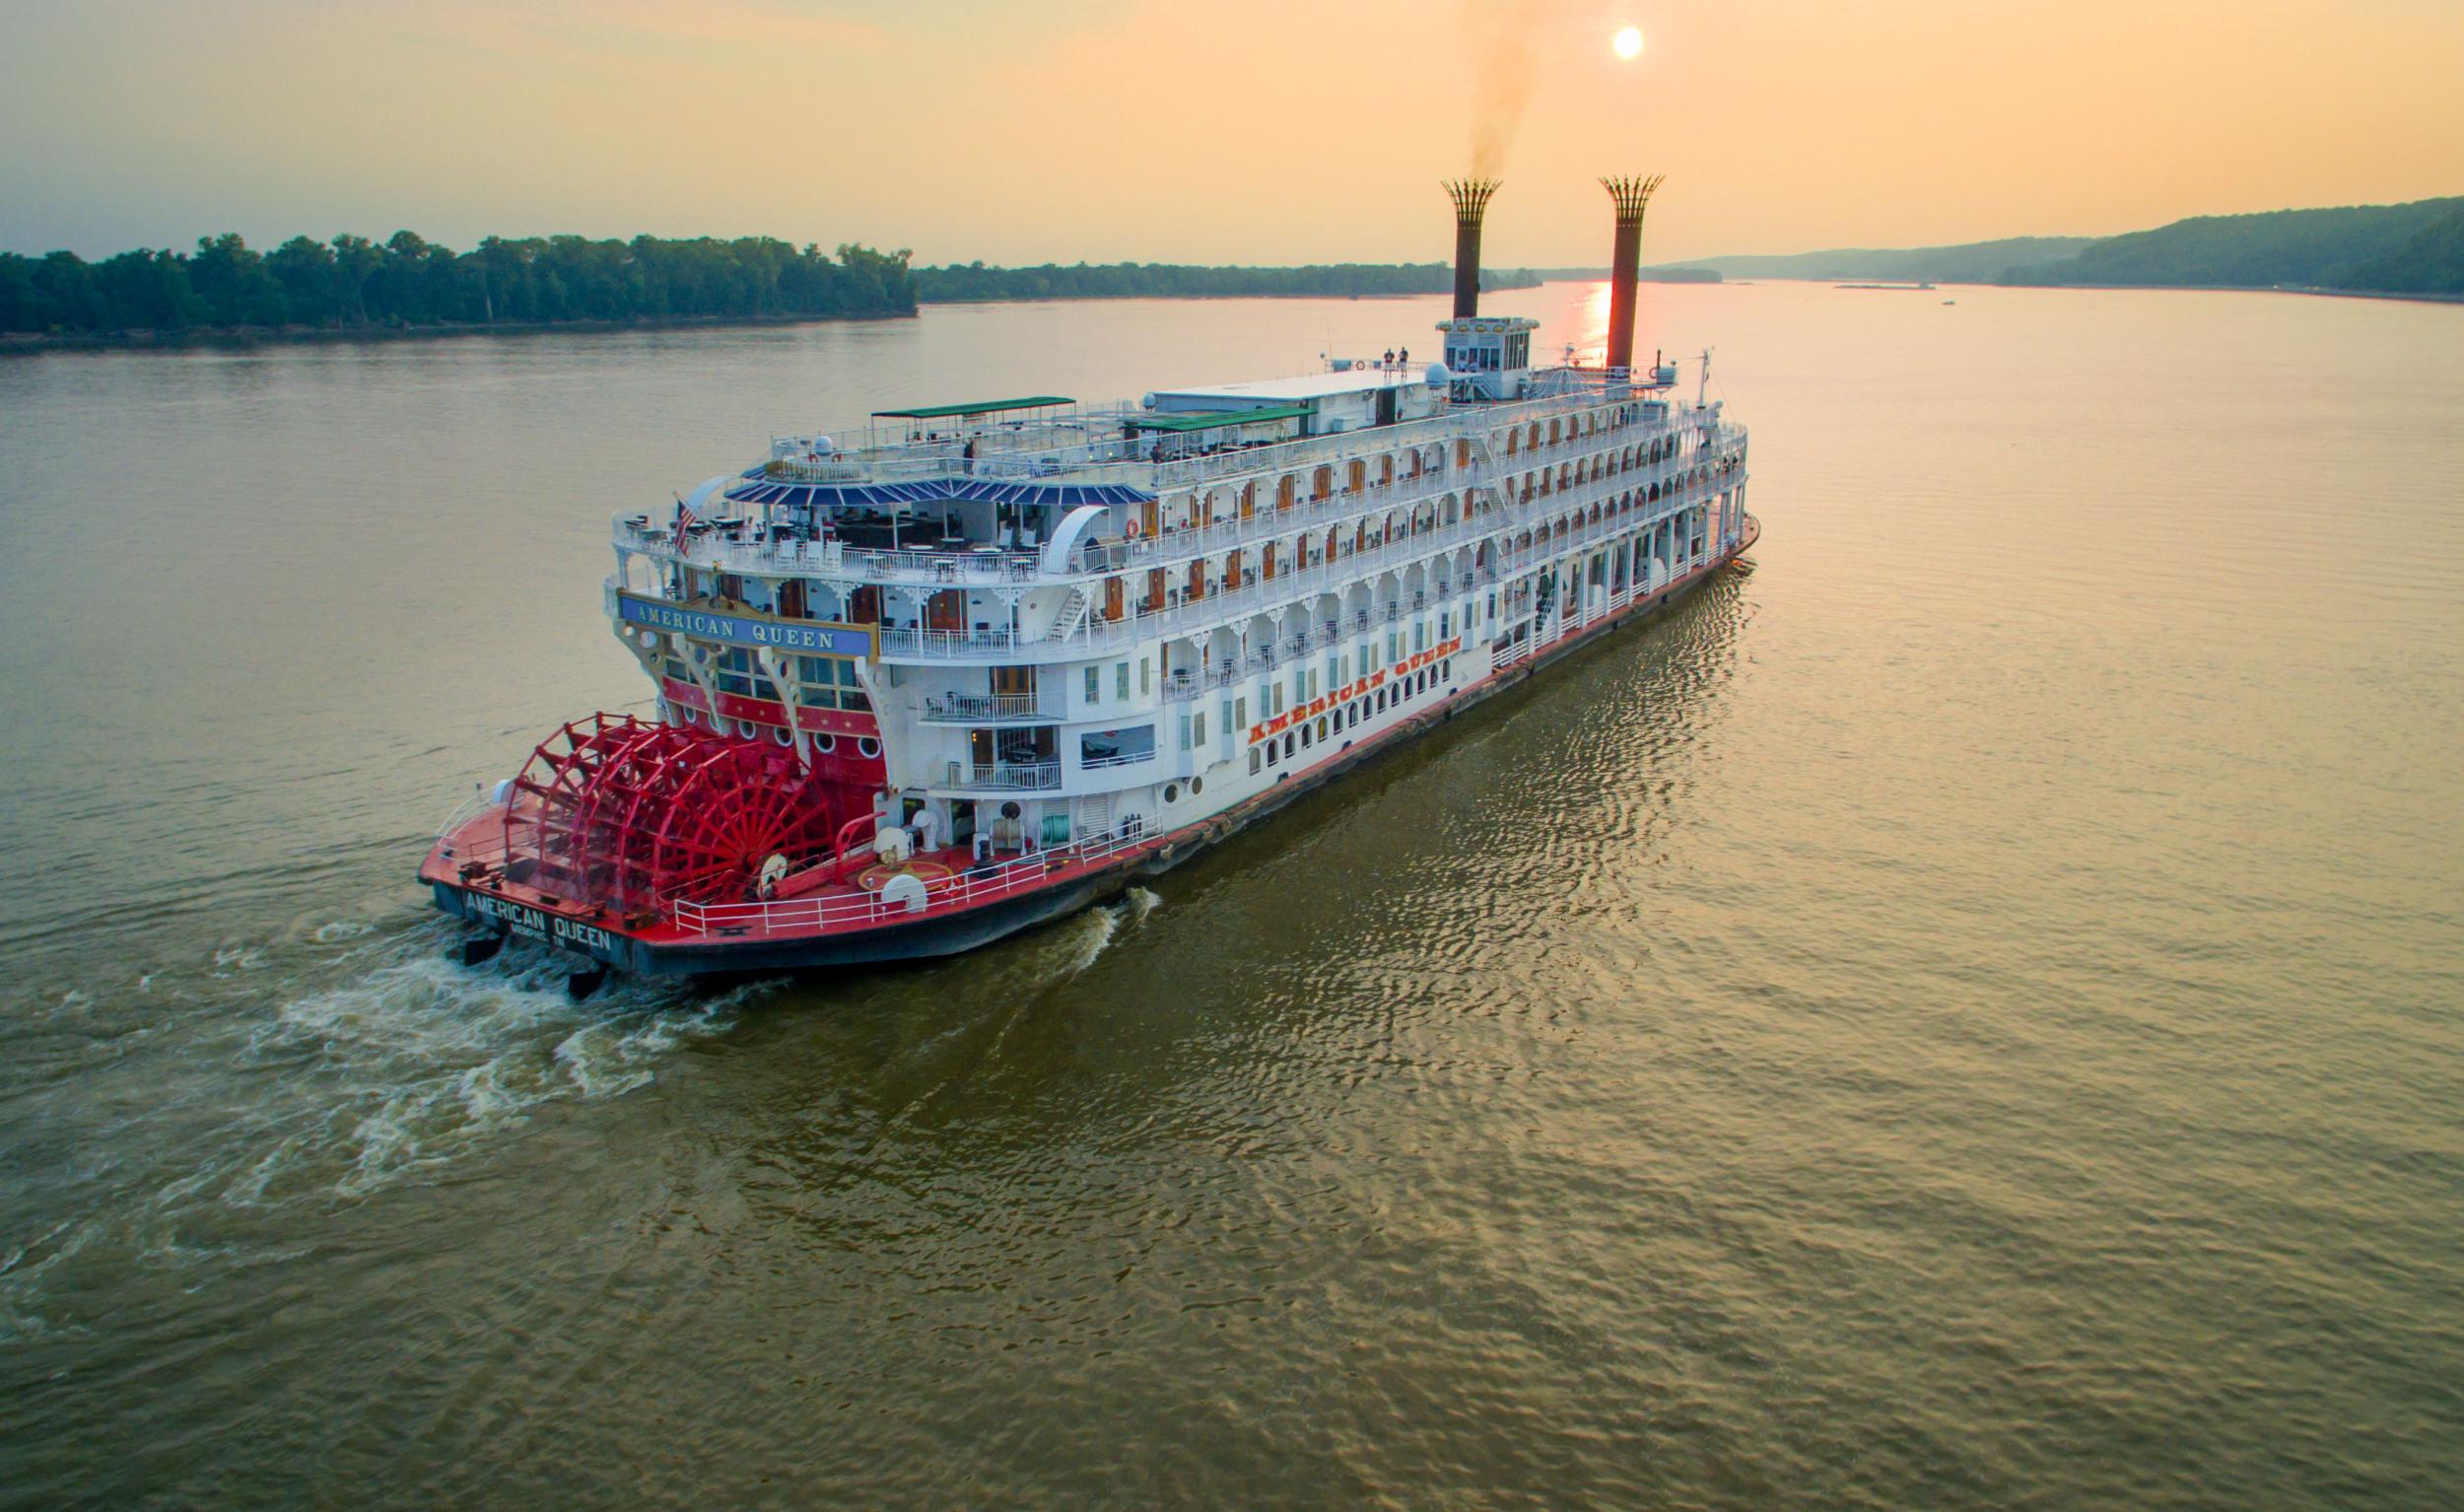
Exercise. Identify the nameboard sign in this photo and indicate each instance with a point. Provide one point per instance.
(809, 638)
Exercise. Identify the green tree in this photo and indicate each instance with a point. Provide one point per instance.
(233, 282)
(304, 267)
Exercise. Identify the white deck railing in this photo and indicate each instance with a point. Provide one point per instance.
(962, 889)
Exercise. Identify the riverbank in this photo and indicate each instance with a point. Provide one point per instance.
(20, 343)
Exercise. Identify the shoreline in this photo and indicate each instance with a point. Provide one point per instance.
(212, 338)
(27, 344)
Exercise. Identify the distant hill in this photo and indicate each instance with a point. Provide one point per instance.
(2432, 261)
(1967, 262)
(2411, 248)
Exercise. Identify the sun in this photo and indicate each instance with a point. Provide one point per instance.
(1628, 43)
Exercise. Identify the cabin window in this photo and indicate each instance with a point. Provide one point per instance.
(1094, 684)
(1200, 720)
(1240, 711)
(1116, 748)
(1120, 682)
(1253, 761)
(1273, 755)
(1185, 735)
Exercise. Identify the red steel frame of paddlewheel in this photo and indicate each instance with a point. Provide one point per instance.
(630, 814)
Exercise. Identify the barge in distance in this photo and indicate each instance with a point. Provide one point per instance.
(968, 667)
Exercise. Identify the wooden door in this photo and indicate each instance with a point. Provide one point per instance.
(1112, 598)
(946, 610)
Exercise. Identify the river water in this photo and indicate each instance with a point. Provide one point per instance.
(1961, 1013)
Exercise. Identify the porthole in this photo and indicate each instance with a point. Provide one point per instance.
(1198, 785)
(825, 744)
(867, 747)
(782, 736)
(1172, 792)
(1011, 810)
(689, 716)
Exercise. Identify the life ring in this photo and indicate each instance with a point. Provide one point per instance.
(1130, 530)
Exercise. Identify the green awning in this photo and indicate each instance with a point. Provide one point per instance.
(1216, 419)
(980, 407)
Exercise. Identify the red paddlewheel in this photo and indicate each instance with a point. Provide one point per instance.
(623, 812)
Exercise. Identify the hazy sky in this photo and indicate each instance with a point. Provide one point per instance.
(1207, 131)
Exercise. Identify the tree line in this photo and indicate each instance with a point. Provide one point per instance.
(352, 282)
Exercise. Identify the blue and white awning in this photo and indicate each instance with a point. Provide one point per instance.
(756, 489)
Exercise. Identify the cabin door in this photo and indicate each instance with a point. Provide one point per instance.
(946, 610)
(1015, 682)
(864, 608)
(1112, 598)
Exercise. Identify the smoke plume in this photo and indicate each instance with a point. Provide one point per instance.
(1499, 35)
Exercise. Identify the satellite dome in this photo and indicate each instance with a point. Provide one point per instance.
(1437, 373)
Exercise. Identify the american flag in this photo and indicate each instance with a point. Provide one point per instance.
(685, 521)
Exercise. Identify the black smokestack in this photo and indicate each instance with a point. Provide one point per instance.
(1471, 197)
(1631, 195)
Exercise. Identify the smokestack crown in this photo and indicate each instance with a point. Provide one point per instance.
(1471, 197)
(1631, 195)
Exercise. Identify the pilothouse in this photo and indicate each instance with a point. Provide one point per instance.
(932, 678)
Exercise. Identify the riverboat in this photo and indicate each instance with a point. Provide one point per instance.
(963, 668)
